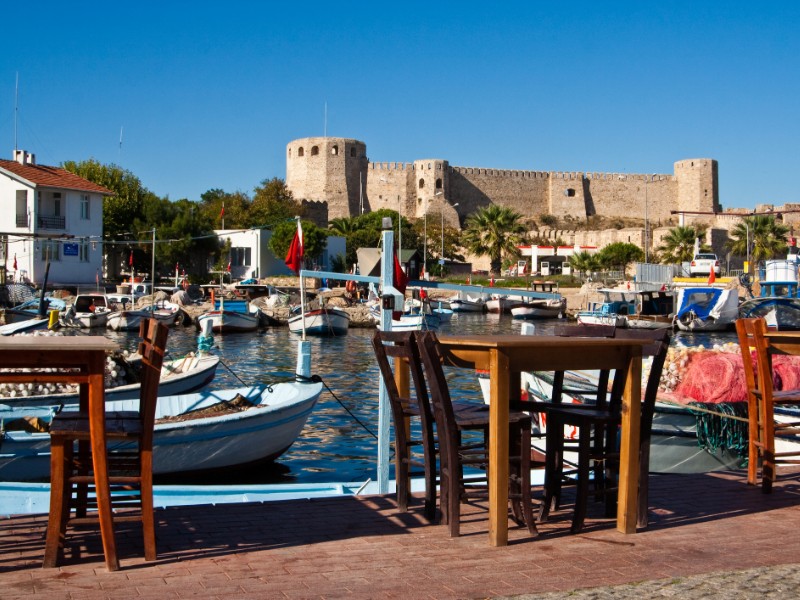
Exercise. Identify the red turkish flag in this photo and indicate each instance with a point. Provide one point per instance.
(294, 258)
(15, 261)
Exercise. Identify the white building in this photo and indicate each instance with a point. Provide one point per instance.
(251, 256)
(551, 260)
(48, 212)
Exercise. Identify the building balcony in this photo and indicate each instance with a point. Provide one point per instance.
(22, 220)
(51, 222)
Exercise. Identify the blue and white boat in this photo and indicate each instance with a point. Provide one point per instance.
(263, 424)
(778, 301)
(706, 308)
(328, 320)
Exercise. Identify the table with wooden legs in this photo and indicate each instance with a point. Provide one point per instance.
(73, 360)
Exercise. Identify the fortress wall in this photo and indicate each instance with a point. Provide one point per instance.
(523, 191)
(624, 195)
(390, 185)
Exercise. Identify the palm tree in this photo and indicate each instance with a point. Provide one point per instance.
(767, 237)
(678, 245)
(494, 231)
(583, 262)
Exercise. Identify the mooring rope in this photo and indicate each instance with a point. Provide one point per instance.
(318, 379)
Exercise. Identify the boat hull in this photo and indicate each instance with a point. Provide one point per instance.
(257, 434)
(323, 321)
(545, 309)
(227, 321)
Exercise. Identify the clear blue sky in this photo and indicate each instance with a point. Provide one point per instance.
(209, 94)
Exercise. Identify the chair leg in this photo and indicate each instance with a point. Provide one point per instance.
(754, 428)
(401, 478)
(582, 491)
(554, 462)
(82, 489)
(59, 504)
(148, 510)
(644, 487)
(525, 479)
(454, 505)
(768, 449)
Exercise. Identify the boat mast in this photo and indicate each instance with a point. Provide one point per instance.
(153, 270)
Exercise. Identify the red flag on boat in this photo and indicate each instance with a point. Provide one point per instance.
(130, 259)
(222, 212)
(294, 258)
(711, 276)
(229, 266)
(15, 261)
(400, 279)
(491, 282)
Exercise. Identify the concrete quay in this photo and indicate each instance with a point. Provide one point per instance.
(710, 536)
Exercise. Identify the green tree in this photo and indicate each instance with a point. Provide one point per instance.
(619, 255)
(494, 231)
(237, 208)
(767, 237)
(272, 204)
(678, 245)
(314, 239)
(584, 262)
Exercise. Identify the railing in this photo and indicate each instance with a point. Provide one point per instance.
(22, 220)
(51, 222)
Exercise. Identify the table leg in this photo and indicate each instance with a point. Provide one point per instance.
(97, 430)
(629, 446)
(500, 377)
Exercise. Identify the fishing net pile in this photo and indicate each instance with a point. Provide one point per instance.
(711, 382)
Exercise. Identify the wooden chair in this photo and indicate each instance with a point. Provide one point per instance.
(455, 454)
(761, 401)
(597, 427)
(130, 469)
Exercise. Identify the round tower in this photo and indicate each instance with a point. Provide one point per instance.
(698, 185)
(328, 169)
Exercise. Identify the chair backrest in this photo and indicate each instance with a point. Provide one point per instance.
(403, 345)
(431, 355)
(606, 331)
(751, 337)
(152, 347)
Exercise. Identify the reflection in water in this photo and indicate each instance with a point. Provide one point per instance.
(332, 446)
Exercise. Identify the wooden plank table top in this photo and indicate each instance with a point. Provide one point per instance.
(505, 356)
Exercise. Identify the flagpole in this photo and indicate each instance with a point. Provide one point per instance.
(302, 290)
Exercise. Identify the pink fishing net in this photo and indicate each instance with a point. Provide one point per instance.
(715, 377)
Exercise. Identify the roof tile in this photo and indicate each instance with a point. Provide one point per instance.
(56, 177)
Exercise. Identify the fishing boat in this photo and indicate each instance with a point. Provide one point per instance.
(410, 321)
(178, 376)
(540, 308)
(129, 320)
(706, 308)
(230, 321)
(201, 432)
(631, 308)
(30, 309)
(498, 304)
(465, 302)
(328, 320)
(88, 310)
(778, 301)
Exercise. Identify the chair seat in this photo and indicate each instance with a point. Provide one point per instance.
(119, 424)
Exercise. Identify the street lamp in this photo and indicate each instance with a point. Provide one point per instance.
(453, 205)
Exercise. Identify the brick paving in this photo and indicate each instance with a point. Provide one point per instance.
(712, 525)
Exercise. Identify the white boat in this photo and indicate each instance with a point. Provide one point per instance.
(706, 308)
(465, 302)
(499, 304)
(328, 320)
(30, 310)
(779, 298)
(129, 320)
(265, 422)
(545, 308)
(631, 308)
(228, 321)
(88, 310)
(178, 376)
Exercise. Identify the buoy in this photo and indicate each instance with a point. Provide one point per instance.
(53, 321)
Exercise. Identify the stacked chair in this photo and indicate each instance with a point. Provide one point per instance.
(130, 467)
(762, 399)
(597, 426)
(441, 425)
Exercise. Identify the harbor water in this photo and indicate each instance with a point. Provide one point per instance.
(334, 446)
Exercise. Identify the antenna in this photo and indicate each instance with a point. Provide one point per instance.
(16, 111)
(120, 140)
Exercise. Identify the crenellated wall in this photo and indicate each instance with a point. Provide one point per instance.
(336, 171)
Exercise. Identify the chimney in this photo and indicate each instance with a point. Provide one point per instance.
(24, 157)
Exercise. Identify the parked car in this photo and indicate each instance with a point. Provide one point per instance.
(703, 263)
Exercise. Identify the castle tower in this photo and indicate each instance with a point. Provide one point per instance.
(698, 185)
(328, 169)
(431, 185)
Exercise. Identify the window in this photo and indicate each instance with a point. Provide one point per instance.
(353, 152)
(50, 249)
(335, 150)
(300, 151)
(314, 150)
(240, 257)
(421, 183)
(84, 251)
(22, 208)
(85, 207)
(57, 204)
(439, 184)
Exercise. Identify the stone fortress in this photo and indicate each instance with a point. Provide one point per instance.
(336, 179)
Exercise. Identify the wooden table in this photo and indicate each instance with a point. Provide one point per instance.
(784, 342)
(77, 360)
(505, 356)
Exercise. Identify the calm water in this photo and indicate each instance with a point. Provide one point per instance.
(333, 446)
